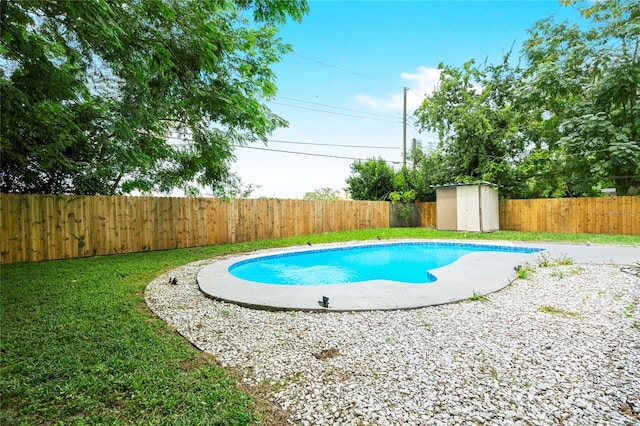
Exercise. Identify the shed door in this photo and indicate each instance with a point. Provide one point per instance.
(468, 208)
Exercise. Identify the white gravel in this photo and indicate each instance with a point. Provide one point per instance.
(499, 362)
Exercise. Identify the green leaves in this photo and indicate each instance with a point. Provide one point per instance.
(371, 180)
(93, 92)
(472, 112)
(593, 95)
(565, 122)
(322, 194)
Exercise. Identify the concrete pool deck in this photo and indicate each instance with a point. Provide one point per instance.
(478, 272)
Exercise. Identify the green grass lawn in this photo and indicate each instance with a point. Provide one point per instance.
(79, 346)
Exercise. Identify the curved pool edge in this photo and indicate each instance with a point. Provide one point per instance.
(479, 272)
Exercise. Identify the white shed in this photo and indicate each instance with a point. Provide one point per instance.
(467, 207)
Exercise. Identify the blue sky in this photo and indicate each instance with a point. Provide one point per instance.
(352, 59)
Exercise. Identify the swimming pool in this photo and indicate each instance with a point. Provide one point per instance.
(486, 268)
(408, 262)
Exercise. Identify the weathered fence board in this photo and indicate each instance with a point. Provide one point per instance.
(405, 215)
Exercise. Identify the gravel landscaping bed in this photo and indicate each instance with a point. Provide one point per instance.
(561, 347)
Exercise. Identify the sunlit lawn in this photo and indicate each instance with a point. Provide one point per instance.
(79, 345)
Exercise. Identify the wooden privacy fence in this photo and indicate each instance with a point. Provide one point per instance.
(46, 227)
(602, 215)
(405, 215)
(429, 217)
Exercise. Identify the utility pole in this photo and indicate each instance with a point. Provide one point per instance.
(413, 153)
(404, 131)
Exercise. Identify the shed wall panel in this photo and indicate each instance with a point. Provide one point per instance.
(446, 209)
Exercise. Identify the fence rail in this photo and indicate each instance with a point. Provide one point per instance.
(47, 227)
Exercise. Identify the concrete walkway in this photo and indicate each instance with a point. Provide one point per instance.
(479, 272)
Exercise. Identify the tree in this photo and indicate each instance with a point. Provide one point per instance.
(233, 187)
(587, 83)
(322, 194)
(432, 170)
(370, 180)
(478, 127)
(565, 122)
(91, 92)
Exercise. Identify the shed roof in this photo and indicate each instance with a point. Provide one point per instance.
(449, 185)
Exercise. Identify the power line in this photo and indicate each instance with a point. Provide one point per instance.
(336, 107)
(542, 175)
(332, 144)
(545, 177)
(335, 113)
(334, 67)
(186, 141)
(309, 154)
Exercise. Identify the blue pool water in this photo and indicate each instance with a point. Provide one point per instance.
(402, 262)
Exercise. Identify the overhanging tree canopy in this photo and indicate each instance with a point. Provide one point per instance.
(93, 91)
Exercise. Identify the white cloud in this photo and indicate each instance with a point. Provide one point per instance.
(427, 79)
(389, 102)
(420, 83)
